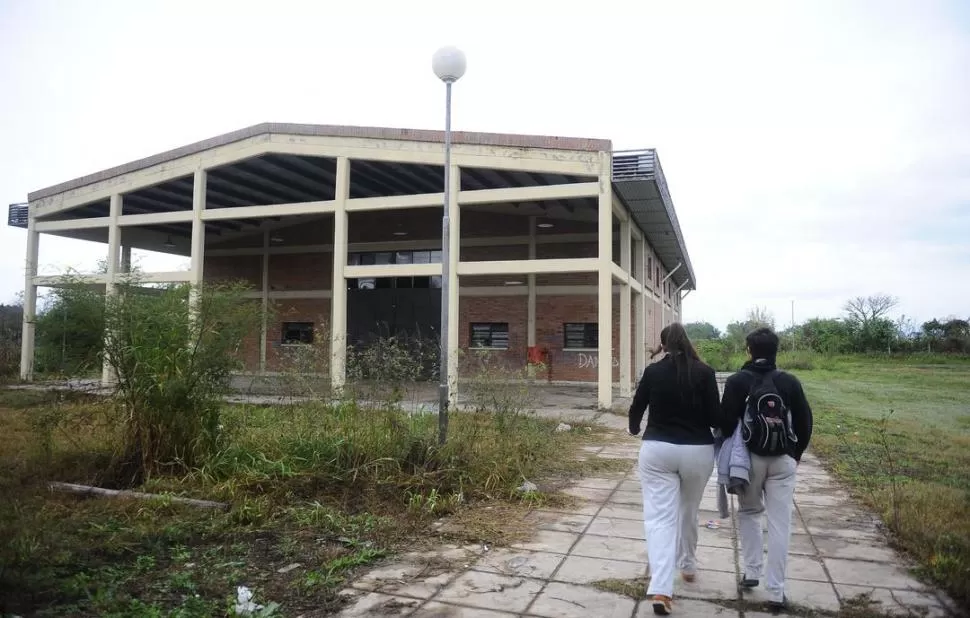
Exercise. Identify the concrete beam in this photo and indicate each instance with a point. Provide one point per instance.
(526, 267)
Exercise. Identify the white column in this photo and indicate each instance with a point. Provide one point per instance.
(108, 376)
(639, 311)
(264, 304)
(454, 214)
(338, 299)
(30, 303)
(625, 301)
(532, 285)
(197, 256)
(605, 285)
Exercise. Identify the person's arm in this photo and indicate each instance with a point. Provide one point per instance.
(712, 400)
(732, 405)
(639, 404)
(801, 417)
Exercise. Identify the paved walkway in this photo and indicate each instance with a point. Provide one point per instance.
(837, 554)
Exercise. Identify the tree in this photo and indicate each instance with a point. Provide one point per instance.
(863, 310)
(759, 317)
(699, 331)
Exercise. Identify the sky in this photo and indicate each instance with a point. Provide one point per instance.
(815, 150)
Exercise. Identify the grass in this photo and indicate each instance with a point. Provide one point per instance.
(898, 433)
(330, 488)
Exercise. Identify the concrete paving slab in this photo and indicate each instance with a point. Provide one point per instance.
(622, 511)
(565, 601)
(599, 483)
(611, 548)
(815, 595)
(585, 570)
(715, 558)
(591, 495)
(580, 508)
(560, 522)
(520, 563)
(717, 585)
(491, 591)
(634, 498)
(690, 608)
(806, 568)
(895, 602)
(838, 547)
(412, 580)
(442, 610)
(801, 544)
(615, 526)
(380, 605)
(857, 573)
(550, 541)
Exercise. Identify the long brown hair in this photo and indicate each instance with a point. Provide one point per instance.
(678, 345)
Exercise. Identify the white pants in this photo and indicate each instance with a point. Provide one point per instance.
(673, 477)
(773, 486)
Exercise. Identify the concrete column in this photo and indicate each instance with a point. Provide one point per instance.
(264, 304)
(338, 300)
(126, 260)
(454, 213)
(605, 285)
(625, 301)
(30, 303)
(108, 376)
(639, 310)
(197, 256)
(532, 284)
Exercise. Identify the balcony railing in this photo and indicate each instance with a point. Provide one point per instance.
(17, 215)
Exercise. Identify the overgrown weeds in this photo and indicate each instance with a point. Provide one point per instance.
(330, 488)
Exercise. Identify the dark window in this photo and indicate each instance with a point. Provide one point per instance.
(649, 266)
(297, 332)
(580, 335)
(490, 335)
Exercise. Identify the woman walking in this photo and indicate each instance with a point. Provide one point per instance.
(676, 458)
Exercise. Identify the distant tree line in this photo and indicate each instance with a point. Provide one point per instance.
(864, 327)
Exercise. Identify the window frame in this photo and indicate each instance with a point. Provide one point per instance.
(491, 344)
(285, 326)
(590, 340)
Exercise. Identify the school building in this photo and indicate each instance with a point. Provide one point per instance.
(555, 241)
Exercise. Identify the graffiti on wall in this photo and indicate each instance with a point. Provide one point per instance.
(591, 361)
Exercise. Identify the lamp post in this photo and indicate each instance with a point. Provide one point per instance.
(448, 64)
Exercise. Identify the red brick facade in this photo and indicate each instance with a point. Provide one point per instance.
(561, 298)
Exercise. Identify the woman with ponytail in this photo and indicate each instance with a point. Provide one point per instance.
(676, 458)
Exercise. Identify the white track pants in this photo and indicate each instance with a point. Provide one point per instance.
(673, 477)
(773, 486)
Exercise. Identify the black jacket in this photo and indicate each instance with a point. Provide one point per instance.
(736, 392)
(679, 413)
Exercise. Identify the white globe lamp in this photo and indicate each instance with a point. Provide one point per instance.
(448, 64)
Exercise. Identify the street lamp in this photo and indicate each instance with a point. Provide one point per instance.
(448, 64)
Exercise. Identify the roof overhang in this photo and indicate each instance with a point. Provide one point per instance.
(639, 182)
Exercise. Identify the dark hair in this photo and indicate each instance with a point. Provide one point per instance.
(762, 343)
(674, 338)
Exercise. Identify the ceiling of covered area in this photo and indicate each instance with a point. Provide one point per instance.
(284, 178)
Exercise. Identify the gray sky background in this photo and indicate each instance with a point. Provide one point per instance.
(815, 150)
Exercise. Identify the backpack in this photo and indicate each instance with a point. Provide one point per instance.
(767, 425)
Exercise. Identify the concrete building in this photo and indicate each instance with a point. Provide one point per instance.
(554, 240)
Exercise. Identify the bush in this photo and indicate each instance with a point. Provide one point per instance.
(172, 368)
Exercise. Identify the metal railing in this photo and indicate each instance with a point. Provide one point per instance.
(17, 215)
(638, 164)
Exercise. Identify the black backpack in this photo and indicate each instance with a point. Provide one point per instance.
(767, 425)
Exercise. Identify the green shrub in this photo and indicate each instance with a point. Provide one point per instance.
(172, 368)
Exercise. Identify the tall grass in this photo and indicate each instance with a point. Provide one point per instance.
(172, 366)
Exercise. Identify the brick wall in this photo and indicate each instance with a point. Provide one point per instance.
(313, 271)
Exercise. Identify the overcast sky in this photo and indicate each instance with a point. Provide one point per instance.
(814, 150)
